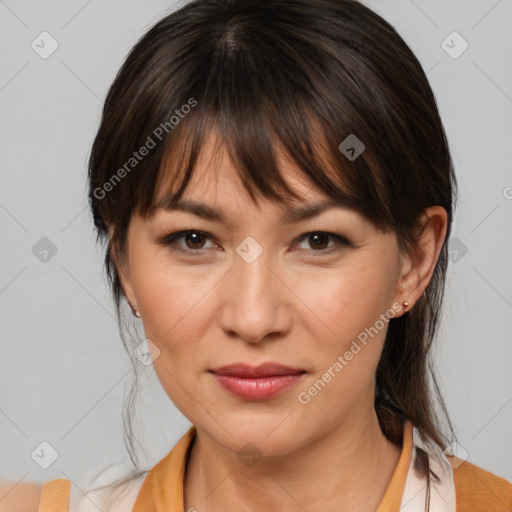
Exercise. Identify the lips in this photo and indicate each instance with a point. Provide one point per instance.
(243, 370)
(256, 383)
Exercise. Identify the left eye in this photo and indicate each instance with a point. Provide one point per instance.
(319, 241)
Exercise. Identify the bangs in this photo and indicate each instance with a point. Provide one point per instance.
(257, 153)
(261, 96)
(257, 131)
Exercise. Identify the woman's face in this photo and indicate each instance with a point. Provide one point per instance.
(258, 285)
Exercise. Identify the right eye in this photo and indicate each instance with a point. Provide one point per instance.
(193, 240)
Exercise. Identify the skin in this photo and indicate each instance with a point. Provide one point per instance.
(296, 305)
(19, 496)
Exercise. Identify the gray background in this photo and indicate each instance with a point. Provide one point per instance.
(63, 368)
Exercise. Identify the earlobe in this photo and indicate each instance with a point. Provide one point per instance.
(123, 272)
(121, 264)
(127, 288)
(420, 264)
(125, 281)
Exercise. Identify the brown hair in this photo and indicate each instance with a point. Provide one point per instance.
(302, 76)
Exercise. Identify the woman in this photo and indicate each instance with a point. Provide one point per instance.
(277, 192)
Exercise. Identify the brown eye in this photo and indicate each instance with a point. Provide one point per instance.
(187, 241)
(323, 243)
(194, 240)
(319, 240)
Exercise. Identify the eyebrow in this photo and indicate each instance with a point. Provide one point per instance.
(202, 210)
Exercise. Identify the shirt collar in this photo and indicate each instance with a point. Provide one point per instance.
(406, 491)
(442, 487)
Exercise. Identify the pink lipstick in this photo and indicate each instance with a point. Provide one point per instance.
(257, 382)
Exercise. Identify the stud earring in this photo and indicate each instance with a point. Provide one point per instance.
(136, 313)
(405, 305)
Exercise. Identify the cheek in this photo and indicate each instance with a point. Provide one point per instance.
(346, 329)
(176, 314)
(171, 299)
(346, 339)
(345, 300)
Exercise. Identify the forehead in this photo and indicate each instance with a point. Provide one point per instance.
(216, 179)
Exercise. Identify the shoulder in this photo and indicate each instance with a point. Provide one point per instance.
(60, 496)
(477, 489)
(19, 496)
(114, 498)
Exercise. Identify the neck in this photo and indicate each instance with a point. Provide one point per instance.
(335, 472)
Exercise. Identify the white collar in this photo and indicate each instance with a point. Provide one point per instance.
(442, 491)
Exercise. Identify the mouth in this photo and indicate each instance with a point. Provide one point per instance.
(257, 383)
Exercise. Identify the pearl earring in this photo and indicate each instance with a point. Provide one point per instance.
(136, 313)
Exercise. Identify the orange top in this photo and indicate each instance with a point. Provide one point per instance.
(476, 490)
(154, 497)
(55, 496)
(479, 490)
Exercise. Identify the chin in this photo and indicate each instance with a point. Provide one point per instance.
(256, 437)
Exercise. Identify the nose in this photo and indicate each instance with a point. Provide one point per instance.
(256, 303)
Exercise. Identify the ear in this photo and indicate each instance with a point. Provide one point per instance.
(417, 267)
(126, 285)
(123, 270)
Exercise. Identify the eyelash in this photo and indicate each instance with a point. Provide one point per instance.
(170, 239)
